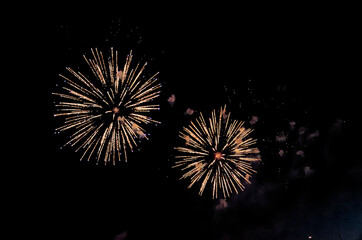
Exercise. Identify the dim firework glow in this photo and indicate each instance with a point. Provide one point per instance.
(107, 108)
(217, 153)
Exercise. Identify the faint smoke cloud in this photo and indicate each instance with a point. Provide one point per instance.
(308, 171)
(254, 120)
(293, 173)
(302, 130)
(292, 125)
(221, 205)
(338, 123)
(313, 135)
(121, 236)
(281, 88)
(281, 137)
(300, 153)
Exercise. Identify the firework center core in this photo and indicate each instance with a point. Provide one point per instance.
(218, 155)
(115, 110)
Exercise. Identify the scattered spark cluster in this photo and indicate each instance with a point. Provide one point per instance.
(218, 153)
(106, 110)
(291, 140)
(294, 141)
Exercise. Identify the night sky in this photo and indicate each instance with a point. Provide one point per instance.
(288, 76)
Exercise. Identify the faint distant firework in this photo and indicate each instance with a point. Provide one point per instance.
(107, 108)
(217, 153)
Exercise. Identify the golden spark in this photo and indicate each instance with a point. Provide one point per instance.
(107, 108)
(217, 153)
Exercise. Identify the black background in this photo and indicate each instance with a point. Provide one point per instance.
(280, 66)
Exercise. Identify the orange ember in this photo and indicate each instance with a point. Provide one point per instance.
(115, 110)
(218, 155)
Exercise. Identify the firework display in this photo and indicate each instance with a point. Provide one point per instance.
(259, 132)
(217, 152)
(107, 108)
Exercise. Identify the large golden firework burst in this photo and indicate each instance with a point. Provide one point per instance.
(217, 153)
(107, 108)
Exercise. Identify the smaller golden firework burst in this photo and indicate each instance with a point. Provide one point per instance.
(217, 153)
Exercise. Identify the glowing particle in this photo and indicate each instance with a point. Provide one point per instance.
(189, 111)
(281, 153)
(171, 100)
